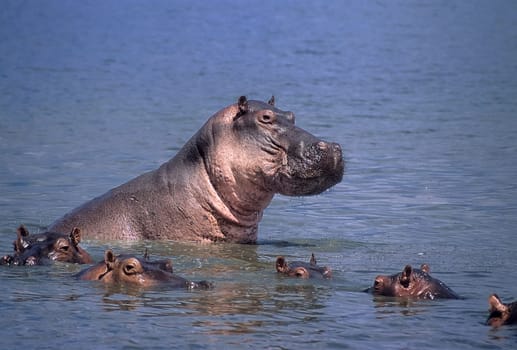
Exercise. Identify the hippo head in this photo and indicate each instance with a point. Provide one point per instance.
(293, 161)
(253, 150)
(302, 269)
(131, 270)
(411, 282)
(46, 247)
(500, 313)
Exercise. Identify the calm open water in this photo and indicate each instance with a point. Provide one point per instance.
(422, 95)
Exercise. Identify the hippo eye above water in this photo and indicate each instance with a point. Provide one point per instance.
(129, 269)
(132, 267)
(63, 245)
(301, 272)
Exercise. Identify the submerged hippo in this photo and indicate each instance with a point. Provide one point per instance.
(302, 269)
(415, 283)
(43, 248)
(131, 270)
(218, 185)
(500, 313)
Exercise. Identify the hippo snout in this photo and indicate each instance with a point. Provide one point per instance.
(335, 153)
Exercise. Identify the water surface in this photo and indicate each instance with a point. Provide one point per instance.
(420, 94)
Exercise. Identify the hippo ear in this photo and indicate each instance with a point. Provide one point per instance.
(109, 259)
(405, 276)
(75, 236)
(20, 244)
(243, 107)
(313, 260)
(425, 268)
(281, 264)
(146, 255)
(495, 304)
(271, 101)
(243, 104)
(22, 231)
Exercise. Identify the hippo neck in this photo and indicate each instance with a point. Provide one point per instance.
(229, 218)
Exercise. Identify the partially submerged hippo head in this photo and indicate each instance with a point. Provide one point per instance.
(42, 248)
(131, 270)
(302, 269)
(415, 283)
(500, 313)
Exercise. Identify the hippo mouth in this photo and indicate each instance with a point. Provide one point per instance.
(318, 167)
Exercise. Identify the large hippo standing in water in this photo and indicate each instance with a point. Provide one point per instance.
(218, 185)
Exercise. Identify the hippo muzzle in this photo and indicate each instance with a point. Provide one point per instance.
(312, 167)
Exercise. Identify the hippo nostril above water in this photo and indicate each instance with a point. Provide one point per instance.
(323, 146)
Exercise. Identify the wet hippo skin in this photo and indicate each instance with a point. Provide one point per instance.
(218, 185)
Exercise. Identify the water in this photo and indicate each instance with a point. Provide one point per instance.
(422, 95)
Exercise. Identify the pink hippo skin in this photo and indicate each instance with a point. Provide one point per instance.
(218, 185)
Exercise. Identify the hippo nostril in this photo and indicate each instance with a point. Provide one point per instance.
(322, 146)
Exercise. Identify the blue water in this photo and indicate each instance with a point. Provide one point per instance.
(422, 95)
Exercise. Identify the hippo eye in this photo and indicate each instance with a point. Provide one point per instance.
(129, 269)
(63, 245)
(301, 272)
(266, 118)
(132, 267)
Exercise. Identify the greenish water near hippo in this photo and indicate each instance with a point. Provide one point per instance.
(421, 96)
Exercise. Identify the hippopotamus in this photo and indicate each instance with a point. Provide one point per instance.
(302, 269)
(43, 248)
(413, 283)
(218, 184)
(500, 313)
(131, 270)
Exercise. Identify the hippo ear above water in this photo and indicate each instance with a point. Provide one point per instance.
(109, 259)
(495, 304)
(21, 244)
(313, 260)
(425, 268)
(281, 264)
(405, 276)
(75, 236)
(271, 101)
